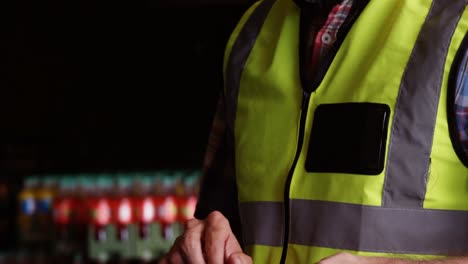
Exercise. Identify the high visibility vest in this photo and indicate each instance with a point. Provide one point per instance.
(366, 158)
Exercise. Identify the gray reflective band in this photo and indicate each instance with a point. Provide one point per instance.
(416, 109)
(262, 223)
(239, 53)
(360, 228)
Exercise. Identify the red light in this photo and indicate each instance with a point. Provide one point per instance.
(188, 208)
(148, 211)
(102, 214)
(62, 211)
(125, 212)
(168, 210)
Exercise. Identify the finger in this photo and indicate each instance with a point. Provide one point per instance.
(239, 258)
(189, 224)
(231, 246)
(191, 242)
(217, 231)
(173, 256)
(342, 257)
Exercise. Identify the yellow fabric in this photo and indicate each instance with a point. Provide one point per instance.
(367, 68)
(305, 254)
(264, 254)
(384, 25)
(236, 32)
(267, 119)
(448, 178)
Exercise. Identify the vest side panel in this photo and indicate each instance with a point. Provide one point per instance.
(447, 186)
(268, 107)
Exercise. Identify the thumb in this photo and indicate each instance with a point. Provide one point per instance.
(239, 258)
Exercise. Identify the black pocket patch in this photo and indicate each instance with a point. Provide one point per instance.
(348, 138)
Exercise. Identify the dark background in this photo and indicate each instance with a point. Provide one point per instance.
(107, 86)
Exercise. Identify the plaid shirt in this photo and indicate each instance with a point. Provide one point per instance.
(461, 103)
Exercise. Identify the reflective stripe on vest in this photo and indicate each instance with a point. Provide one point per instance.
(239, 53)
(402, 224)
(358, 227)
(416, 109)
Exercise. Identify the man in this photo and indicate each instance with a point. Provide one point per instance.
(343, 141)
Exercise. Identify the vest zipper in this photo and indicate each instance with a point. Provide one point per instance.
(307, 90)
(302, 122)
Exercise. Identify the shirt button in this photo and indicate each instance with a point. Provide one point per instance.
(326, 38)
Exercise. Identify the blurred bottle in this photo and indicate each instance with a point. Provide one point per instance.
(63, 206)
(27, 210)
(45, 197)
(166, 205)
(63, 217)
(145, 206)
(124, 203)
(187, 200)
(178, 181)
(84, 189)
(100, 205)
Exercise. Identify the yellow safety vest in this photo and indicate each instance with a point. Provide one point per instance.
(363, 159)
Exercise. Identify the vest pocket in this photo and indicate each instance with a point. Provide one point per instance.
(348, 138)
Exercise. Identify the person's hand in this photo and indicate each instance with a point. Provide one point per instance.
(342, 258)
(207, 241)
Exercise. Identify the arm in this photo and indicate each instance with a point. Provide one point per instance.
(211, 239)
(218, 187)
(346, 258)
